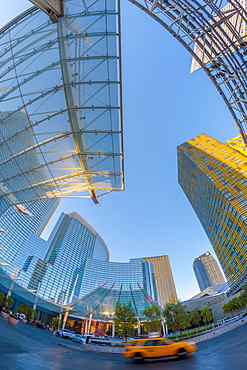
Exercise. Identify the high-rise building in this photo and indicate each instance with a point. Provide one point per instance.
(213, 176)
(207, 271)
(203, 46)
(75, 260)
(59, 275)
(164, 279)
(19, 227)
(135, 274)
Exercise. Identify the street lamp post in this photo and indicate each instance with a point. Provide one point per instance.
(164, 326)
(36, 297)
(12, 286)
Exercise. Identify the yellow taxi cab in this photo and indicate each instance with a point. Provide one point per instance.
(157, 348)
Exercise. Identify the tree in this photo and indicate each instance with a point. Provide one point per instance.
(153, 313)
(31, 314)
(2, 299)
(169, 314)
(195, 317)
(8, 302)
(206, 313)
(226, 308)
(176, 316)
(125, 318)
(244, 295)
(22, 308)
(27, 310)
(56, 323)
(183, 320)
(236, 303)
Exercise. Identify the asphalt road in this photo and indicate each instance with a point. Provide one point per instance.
(25, 347)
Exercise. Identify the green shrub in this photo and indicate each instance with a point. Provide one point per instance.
(172, 336)
(14, 316)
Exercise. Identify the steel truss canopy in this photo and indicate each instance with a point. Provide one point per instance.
(54, 8)
(101, 302)
(214, 32)
(60, 98)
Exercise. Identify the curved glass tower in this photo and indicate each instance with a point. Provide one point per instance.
(74, 261)
(60, 95)
(56, 267)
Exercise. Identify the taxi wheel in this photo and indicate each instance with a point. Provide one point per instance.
(182, 353)
(138, 358)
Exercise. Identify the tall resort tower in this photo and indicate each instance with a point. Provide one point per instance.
(213, 176)
(19, 228)
(207, 271)
(164, 279)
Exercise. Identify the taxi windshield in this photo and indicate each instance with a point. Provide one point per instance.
(167, 341)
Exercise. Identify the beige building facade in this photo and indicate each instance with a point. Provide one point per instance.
(164, 279)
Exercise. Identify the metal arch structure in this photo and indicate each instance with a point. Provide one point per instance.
(61, 131)
(101, 302)
(215, 34)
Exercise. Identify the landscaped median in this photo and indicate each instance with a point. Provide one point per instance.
(215, 332)
(200, 338)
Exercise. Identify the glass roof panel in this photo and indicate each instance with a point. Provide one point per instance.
(60, 119)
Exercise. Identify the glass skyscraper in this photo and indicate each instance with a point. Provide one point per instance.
(58, 275)
(213, 176)
(19, 227)
(207, 271)
(75, 260)
(135, 274)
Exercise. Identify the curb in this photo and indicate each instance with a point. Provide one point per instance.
(95, 348)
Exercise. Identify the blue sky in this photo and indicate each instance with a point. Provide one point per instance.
(164, 106)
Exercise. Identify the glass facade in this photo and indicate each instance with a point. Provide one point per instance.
(213, 176)
(136, 273)
(207, 271)
(19, 227)
(56, 267)
(60, 119)
(74, 261)
(101, 302)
